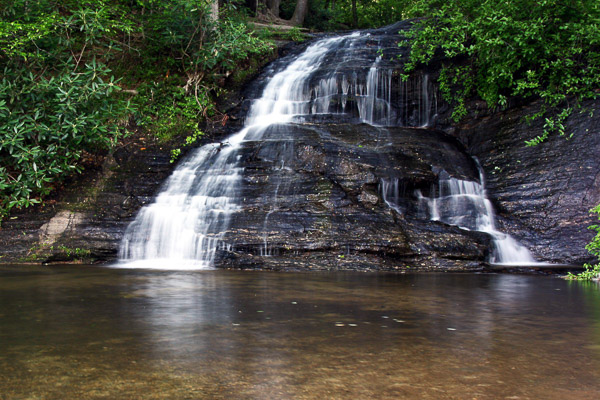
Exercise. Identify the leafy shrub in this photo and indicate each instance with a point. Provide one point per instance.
(548, 49)
(56, 99)
(591, 271)
(173, 107)
(59, 98)
(165, 110)
(47, 122)
(327, 15)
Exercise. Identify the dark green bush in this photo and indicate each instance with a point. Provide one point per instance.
(56, 99)
(59, 92)
(548, 49)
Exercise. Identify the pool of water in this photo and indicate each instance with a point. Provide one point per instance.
(92, 332)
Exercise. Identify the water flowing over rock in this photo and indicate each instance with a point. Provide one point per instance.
(313, 200)
(189, 218)
(465, 204)
(268, 190)
(331, 161)
(542, 194)
(287, 188)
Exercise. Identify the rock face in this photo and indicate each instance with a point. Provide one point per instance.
(543, 193)
(328, 191)
(86, 222)
(314, 198)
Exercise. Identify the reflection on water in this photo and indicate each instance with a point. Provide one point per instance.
(87, 332)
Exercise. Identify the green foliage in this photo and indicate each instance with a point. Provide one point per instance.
(327, 15)
(167, 112)
(546, 49)
(230, 44)
(294, 34)
(372, 13)
(591, 271)
(55, 102)
(75, 253)
(45, 30)
(47, 122)
(282, 33)
(173, 104)
(191, 139)
(59, 95)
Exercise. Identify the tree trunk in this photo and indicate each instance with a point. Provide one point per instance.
(299, 12)
(273, 6)
(354, 15)
(214, 10)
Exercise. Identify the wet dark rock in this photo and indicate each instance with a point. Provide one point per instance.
(542, 194)
(312, 199)
(87, 220)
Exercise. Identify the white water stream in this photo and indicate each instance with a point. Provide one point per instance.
(185, 225)
(465, 204)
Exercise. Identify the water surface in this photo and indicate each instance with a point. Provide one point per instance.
(90, 332)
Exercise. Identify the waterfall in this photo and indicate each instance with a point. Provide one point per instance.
(418, 102)
(185, 225)
(390, 193)
(465, 204)
(186, 222)
(374, 99)
(371, 97)
(428, 102)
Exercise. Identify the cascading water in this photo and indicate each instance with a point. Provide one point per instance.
(391, 194)
(369, 97)
(370, 94)
(375, 98)
(465, 204)
(186, 223)
(428, 104)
